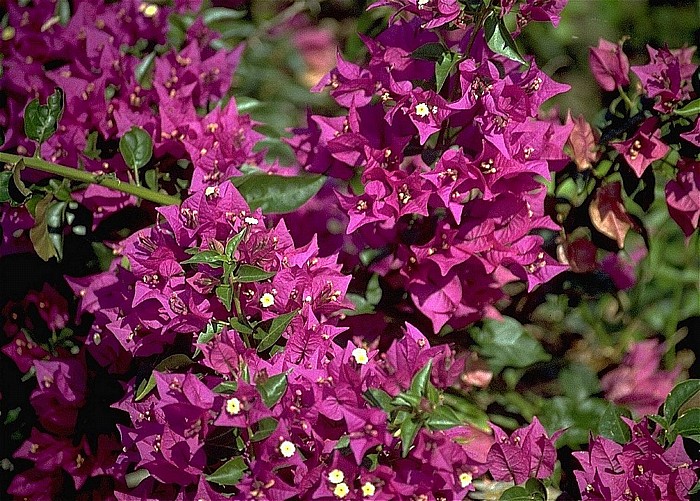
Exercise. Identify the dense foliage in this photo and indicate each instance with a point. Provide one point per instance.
(437, 287)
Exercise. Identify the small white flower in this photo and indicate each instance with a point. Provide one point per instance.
(360, 356)
(368, 489)
(465, 479)
(341, 490)
(422, 110)
(233, 406)
(148, 9)
(267, 300)
(336, 476)
(287, 449)
(250, 220)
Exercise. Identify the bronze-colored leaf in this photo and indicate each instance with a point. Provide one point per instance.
(609, 215)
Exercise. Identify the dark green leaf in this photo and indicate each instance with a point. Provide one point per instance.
(12, 189)
(409, 430)
(233, 243)
(226, 387)
(679, 395)
(136, 147)
(467, 411)
(5, 180)
(276, 194)
(444, 67)
(407, 399)
(174, 362)
(419, 383)
(516, 493)
(506, 344)
(41, 120)
(144, 70)
(273, 389)
(230, 473)
(536, 487)
(145, 388)
(688, 424)
(12, 415)
(219, 18)
(247, 273)
(431, 52)
(240, 327)
(499, 39)
(134, 478)
(443, 418)
(210, 257)
(379, 398)
(225, 295)
(266, 427)
(690, 109)
(277, 327)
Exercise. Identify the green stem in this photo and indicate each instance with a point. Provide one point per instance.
(626, 99)
(92, 178)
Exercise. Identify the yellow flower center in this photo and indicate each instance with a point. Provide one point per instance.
(287, 449)
(368, 489)
(341, 490)
(267, 300)
(360, 356)
(336, 476)
(422, 110)
(233, 406)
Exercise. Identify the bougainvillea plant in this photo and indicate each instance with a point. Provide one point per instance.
(236, 311)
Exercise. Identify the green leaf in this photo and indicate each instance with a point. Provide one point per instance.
(233, 243)
(174, 362)
(248, 273)
(379, 398)
(220, 18)
(225, 295)
(516, 493)
(444, 67)
(145, 388)
(536, 489)
(343, 442)
(210, 257)
(276, 194)
(12, 189)
(407, 399)
(240, 327)
(266, 427)
(136, 147)
(690, 109)
(44, 245)
(409, 430)
(226, 387)
(63, 11)
(433, 51)
(419, 383)
(272, 389)
(579, 381)
(499, 40)
(443, 418)
(277, 327)
(12, 415)
(41, 120)
(134, 478)
(144, 71)
(467, 411)
(680, 394)
(230, 473)
(688, 424)
(91, 150)
(506, 344)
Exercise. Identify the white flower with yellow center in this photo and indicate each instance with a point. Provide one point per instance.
(360, 356)
(267, 300)
(233, 406)
(368, 489)
(341, 490)
(465, 479)
(287, 449)
(148, 9)
(422, 110)
(336, 476)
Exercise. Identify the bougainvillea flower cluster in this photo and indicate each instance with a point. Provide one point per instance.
(450, 178)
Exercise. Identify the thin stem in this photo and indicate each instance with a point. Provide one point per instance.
(92, 178)
(626, 99)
